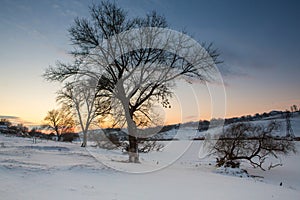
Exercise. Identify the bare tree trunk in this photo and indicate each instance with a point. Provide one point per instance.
(57, 133)
(84, 142)
(59, 137)
(131, 126)
(133, 149)
(133, 142)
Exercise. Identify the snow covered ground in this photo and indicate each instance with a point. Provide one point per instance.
(56, 170)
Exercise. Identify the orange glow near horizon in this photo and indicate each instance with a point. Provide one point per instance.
(189, 103)
(171, 115)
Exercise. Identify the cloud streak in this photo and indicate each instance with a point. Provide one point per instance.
(17, 120)
(231, 72)
(8, 117)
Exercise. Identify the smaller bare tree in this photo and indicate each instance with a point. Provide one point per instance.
(60, 121)
(82, 97)
(253, 143)
(294, 108)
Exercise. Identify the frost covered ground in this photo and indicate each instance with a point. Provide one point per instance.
(56, 170)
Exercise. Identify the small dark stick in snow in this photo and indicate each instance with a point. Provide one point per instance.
(280, 184)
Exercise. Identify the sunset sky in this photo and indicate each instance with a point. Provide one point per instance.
(258, 40)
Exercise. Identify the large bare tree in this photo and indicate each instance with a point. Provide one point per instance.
(135, 60)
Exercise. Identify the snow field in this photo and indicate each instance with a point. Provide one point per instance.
(55, 170)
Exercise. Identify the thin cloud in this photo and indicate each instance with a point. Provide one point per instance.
(8, 117)
(17, 120)
(247, 56)
(229, 71)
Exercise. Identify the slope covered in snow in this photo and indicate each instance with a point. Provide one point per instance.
(56, 170)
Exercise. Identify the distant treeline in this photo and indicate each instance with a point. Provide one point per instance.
(20, 130)
(6, 127)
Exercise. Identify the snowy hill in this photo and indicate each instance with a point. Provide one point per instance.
(190, 130)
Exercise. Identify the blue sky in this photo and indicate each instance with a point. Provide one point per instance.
(258, 40)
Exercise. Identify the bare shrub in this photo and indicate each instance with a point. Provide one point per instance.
(253, 143)
(147, 146)
(112, 139)
(101, 140)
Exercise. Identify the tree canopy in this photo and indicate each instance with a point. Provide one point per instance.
(135, 62)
